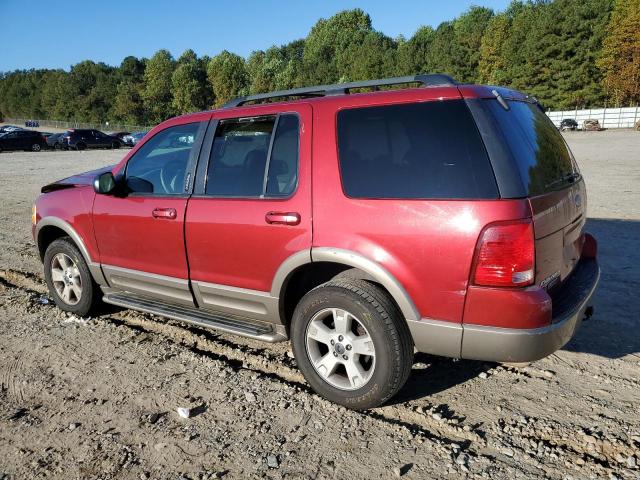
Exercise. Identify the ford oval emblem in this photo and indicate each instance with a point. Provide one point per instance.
(578, 200)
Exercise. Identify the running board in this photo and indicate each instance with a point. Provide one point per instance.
(257, 330)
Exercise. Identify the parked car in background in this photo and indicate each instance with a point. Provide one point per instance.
(81, 139)
(22, 140)
(133, 138)
(55, 141)
(9, 128)
(119, 135)
(46, 134)
(568, 124)
(449, 219)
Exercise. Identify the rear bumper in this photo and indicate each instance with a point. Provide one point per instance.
(526, 345)
(499, 344)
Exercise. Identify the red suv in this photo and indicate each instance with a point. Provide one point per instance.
(445, 218)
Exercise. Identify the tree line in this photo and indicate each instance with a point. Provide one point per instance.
(568, 53)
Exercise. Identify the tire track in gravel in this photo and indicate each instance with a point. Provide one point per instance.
(281, 369)
(237, 356)
(10, 380)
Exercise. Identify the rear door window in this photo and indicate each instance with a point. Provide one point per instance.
(254, 157)
(539, 151)
(429, 150)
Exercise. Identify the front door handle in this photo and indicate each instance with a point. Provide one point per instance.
(168, 213)
(282, 218)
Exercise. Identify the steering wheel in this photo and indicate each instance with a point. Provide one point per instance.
(170, 175)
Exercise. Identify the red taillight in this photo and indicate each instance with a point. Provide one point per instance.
(505, 255)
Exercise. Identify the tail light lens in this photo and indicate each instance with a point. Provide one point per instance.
(505, 255)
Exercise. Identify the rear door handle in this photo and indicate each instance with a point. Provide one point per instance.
(282, 218)
(168, 213)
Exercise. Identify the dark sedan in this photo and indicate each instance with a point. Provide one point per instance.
(22, 140)
(55, 141)
(81, 139)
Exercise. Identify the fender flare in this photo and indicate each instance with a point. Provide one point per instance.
(94, 267)
(353, 259)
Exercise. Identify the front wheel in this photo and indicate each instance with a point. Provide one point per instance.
(67, 275)
(115, 145)
(351, 343)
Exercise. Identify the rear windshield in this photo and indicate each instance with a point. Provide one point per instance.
(540, 153)
(413, 151)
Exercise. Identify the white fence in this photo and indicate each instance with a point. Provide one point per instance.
(608, 117)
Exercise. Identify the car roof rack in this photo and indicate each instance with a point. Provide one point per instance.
(427, 80)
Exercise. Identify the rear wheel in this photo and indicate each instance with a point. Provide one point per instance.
(57, 146)
(36, 147)
(351, 343)
(80, 146)
(115, 145)
(67, 275)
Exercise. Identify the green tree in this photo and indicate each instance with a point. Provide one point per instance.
(156, 95)
(92, 88)
(189, 84)
(128, 105)
(374, 57)
(414, 54)
(327, 44)
(468, 30)
(492, 63)
(620, 57)
(227, 74)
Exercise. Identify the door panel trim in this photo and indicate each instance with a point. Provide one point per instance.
(243, 302)
(150, 284)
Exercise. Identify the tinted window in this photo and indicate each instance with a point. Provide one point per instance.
(283, 166)
(240, 156)
(541, 155)
(159, 166)
(420, 150)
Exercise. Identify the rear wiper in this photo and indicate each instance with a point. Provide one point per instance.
(568, 178)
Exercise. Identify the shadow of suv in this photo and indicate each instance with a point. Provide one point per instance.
(445, 218)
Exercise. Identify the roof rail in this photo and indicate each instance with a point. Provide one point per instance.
(427, 80)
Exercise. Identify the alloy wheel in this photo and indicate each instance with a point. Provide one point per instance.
(340, 349)
(66, 279)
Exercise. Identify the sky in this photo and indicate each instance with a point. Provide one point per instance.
(60, 34)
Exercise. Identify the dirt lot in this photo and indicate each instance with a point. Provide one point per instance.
(97, 398)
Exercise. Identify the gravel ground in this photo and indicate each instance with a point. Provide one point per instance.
(97, 398)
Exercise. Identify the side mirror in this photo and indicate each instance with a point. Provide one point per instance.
(104, 183)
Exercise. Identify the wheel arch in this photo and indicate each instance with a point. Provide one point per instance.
(50, 229)
(328, 262)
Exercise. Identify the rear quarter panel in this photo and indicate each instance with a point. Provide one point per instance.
(427, 245)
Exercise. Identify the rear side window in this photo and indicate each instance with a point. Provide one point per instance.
(254, 157)
(413, 151)
(539, 151)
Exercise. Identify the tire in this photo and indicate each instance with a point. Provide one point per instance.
(370, 311)
(81, 146)
(36, 147)
(79, 275)
(115, 145)
(57, 146)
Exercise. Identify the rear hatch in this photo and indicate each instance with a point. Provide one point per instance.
(551, 181)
